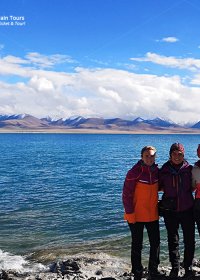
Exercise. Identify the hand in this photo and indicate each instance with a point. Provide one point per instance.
(130, 218)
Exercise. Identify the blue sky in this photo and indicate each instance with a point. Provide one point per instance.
(100, 58)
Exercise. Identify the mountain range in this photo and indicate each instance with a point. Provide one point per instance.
(26, 122)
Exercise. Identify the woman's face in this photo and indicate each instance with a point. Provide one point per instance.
(177, 157)
(148, 157)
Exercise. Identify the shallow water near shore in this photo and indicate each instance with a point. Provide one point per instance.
(61, 194)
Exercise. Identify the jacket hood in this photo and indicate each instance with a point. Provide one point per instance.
(168, 165)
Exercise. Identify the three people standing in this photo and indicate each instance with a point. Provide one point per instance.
(140, 193)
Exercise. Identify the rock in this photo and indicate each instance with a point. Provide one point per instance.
(84, 268)
(108, 278)
(65, 267)
(4, 275)
(99, 272)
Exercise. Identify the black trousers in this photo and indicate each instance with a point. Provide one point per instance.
(153, 232)
(184, 219)
(197, 219)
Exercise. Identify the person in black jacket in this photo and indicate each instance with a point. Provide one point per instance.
(175, 180)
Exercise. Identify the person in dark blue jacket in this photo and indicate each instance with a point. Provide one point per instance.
(175, 180)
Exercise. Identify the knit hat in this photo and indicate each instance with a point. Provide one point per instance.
(177, 147)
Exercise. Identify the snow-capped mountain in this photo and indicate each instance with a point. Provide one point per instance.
(196, 125)
(28, 122)
(161, 123)
(12, 117)
(23, 121)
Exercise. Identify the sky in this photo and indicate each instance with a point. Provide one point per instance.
(100, 58)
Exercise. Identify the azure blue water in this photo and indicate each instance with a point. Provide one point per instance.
(61, 193)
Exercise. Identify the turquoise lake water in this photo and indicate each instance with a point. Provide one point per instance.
(61, 193)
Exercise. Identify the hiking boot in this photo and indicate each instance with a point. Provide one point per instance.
(156, 274)
(138, 274)
(189, 274)
(173, 273)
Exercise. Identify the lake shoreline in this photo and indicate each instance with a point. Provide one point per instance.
(100, 131)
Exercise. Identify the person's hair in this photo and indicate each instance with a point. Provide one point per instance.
(176, 147)
(147, 148)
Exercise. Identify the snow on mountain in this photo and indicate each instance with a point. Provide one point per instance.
(27, 121)
(12, 117)
(138, 120)
(160, 123)
(196, 125)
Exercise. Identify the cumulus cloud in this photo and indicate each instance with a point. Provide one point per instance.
(99, 92)
(108, 93)
(41, 84)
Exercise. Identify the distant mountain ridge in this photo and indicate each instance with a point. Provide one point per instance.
(29, 122)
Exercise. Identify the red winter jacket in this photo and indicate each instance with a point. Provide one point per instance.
(140, 193)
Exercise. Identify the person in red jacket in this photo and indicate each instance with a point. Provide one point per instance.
(196, 188)
(140, 200)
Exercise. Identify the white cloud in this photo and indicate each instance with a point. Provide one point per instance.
(48, 61)
(170, 39)
(108, 93)
(99, 92)
(191, 64)
(11, 65)
(14, 60)
(41, 84)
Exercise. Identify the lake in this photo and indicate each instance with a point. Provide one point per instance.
(61, 193)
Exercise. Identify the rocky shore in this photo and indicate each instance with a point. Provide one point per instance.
(82, 268)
